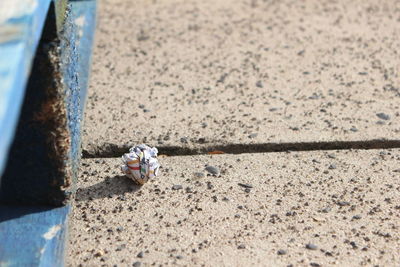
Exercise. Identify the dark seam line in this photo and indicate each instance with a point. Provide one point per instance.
(112, 150)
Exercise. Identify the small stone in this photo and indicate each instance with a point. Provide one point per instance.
(247, 190)
(259, 84)
(177, 187)
(356, 217)
(326, 210)
(383, 116)
(281, 252)
(311, 246)
(120, 247)
(332, 166)
(241, 246)
(209, 185)
(136, 264)
(354, 129)
(253, 135)
(353, 245)
(99, 253)
(213, 170)
(199, 174)
(343, 203)
(184, 140)
(189, 190)
(245, 185)
(314, 264)
(140, 254)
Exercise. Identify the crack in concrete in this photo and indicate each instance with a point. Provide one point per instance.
(113, 150)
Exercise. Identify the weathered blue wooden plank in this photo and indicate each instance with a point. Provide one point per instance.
(21, 23)
(79, 28)
(47, 140)
(84, 14)
(32, 236)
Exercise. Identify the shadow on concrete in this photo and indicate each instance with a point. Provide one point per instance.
(115, 186)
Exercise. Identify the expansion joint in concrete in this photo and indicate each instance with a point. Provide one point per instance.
(114, 150)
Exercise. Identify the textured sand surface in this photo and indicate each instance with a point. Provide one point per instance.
(346, 204)
(215, 72)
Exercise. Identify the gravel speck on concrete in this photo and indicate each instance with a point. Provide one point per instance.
(169, 223)
(177, 187)
(245, 185)
(213, 170)
(311, 246)
(199, 174)
(383, 116)
(281, 252)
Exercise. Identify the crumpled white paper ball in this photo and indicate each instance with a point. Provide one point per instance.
(141, 163)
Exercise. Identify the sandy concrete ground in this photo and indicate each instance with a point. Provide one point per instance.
(343, 206)
(193, 73)
(188, 72)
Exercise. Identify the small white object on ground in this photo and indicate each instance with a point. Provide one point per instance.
(141, 163)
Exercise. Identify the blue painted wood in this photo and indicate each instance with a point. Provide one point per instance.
(21, 24)
(80, 28)
(32, 236)
(36, 235)
(49, 144)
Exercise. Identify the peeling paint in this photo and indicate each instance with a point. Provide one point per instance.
(80, 22)
(51, 233)
(11, 32)
(10, 9)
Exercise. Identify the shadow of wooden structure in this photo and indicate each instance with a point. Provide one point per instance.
(45, 48)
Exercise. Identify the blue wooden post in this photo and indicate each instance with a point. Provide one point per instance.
(21, 24)
(45, 48)
(44, 150)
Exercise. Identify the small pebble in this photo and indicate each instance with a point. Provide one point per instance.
(253, 135)
(140, 254)
(311, 246)
(281, 252)
(332, 166)
(383, 116)
(177, 187)
(199, 174)
(326, 210)
(213, 170)
(241, 246)
(245, 185)
(343, 203)
(137, 264)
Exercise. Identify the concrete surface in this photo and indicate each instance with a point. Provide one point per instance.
(344, 206)
(193, 72)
